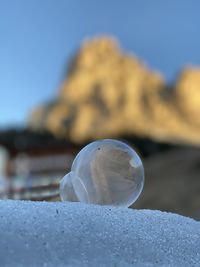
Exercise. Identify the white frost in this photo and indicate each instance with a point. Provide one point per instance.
(75, 234)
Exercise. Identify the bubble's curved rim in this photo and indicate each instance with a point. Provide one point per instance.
(130, 148)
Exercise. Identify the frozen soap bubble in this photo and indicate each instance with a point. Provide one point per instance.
(105, 172)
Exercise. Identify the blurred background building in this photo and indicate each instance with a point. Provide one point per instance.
(106, 91)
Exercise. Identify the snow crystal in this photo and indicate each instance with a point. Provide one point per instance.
(75, 234)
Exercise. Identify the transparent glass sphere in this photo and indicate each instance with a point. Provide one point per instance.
(105, 172)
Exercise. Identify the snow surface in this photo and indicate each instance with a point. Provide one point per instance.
(75, 234)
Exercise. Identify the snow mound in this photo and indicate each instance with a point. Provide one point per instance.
(75, 234)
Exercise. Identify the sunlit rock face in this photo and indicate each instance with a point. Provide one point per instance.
(110, 93)
(188, 94)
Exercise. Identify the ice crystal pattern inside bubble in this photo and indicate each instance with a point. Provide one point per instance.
(105, 172)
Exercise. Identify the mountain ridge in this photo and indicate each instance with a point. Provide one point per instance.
(110, 93)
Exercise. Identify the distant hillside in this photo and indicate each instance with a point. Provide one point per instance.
(109, 93)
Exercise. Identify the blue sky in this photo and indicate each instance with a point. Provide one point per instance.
(38, 37)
